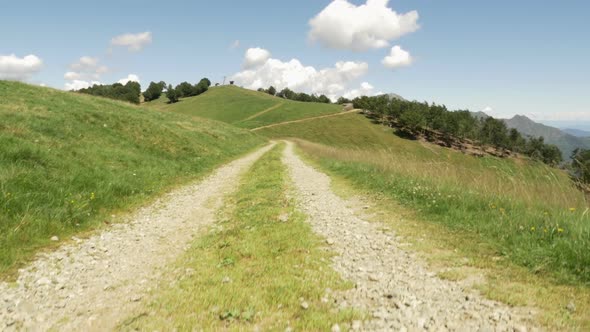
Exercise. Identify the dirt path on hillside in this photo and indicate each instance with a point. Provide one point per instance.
(392, 284)
(91, 284)
(306, 119)
(270, 109)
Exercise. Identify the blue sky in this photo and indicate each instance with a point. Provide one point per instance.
(509, 57)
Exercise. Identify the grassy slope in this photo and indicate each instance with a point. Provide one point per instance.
(510, 217)
(67, 160)
(235, 105)
(359, 139)
(270, 264)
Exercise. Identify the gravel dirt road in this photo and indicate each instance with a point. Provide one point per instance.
(394, 286)
(91, 284)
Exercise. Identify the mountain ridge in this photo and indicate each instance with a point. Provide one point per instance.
(565, 141)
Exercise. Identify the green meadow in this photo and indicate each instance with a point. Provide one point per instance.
(68, 161)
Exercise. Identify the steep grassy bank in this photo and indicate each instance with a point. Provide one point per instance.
(244, 108)
(68, 160)
(252, 269)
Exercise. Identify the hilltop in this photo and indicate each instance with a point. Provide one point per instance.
(244, 108)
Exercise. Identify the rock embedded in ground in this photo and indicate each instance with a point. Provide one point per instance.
(571, 307)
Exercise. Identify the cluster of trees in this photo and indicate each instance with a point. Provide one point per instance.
(343, 100)
(185, 89)
(287, 93)
(182, 90)
(129, 92)
(416, 118)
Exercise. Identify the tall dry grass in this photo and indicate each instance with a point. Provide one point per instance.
(529, 182)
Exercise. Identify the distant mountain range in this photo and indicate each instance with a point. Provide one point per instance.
(577, 132)
(566, 140)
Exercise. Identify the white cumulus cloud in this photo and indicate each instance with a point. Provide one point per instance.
(75, 85)
(84, 73)
(365, 89)
(15, 68)
(133, 41)
(129, 78)
(84, 63)
(332, 81)
(343, 25)
(255, 57)
(397, 58)
(72, 75)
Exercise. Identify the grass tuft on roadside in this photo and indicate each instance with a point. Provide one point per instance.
(254, 269)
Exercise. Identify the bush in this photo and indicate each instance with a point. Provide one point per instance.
(154, 91)
(172, 95)
(272, 91)
(343, 100)
(185, 89)
(580, 165)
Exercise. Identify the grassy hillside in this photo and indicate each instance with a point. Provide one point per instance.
(244, 108)
(527, 212)
(68, 160)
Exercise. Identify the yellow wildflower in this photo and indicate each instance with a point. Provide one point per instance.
(572, 209)
(533, 228)
(560, 230)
